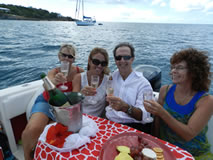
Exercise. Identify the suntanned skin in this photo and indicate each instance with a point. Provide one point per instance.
(38, 121)
(183, 95)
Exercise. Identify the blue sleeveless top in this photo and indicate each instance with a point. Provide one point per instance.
(199, 144)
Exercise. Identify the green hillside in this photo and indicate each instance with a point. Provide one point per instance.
(29, 13)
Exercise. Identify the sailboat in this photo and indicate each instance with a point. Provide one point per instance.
(85, 20)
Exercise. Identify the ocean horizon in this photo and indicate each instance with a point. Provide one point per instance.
(28, 48)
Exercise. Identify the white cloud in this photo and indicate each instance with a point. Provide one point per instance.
(156, 2)
(188, 5)
(125, 14)
(209, 7)
(161, 3)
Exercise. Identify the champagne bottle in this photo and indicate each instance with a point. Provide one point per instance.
(57, 97)
(75, 97)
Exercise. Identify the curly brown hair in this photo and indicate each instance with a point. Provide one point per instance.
(198, 67)
(104, 53)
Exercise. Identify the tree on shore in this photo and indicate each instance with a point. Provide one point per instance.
(33, 13)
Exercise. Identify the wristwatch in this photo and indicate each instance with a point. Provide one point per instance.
(129, 111)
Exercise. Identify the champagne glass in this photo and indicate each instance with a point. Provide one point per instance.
(148, 95)
(64, 69)
(110, 89)
(94, 84)
(94, 81)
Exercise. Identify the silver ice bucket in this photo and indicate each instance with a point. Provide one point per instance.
(70, 115)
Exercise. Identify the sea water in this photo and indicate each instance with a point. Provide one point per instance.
(28, 48)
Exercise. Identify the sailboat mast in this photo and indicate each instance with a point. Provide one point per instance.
(76, 9)
(83, 8)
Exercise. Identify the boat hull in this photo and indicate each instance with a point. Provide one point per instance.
(85, 23)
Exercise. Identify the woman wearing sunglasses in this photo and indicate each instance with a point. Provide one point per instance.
(184, 108)
(97, 65)
(41, 114)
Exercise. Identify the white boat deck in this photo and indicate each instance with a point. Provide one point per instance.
(19, 154)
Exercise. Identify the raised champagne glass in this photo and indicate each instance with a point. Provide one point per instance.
(109, 87)
(94, 84)
(64, 69)
(148, 95)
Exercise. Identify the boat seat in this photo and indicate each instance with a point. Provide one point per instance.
(14, 101)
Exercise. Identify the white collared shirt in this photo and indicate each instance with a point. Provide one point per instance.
(131, 92)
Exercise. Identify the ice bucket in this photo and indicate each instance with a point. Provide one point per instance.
(71, 115)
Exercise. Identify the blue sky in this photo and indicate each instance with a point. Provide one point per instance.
(147, 11)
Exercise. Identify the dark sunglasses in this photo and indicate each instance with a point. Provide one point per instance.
(66, 55)
(118, 58)
(97, 62)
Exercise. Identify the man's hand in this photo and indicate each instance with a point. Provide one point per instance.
(117, 104)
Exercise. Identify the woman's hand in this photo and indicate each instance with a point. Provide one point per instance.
(116, 103)
(59, 78)
(153, 107)
(88, 91)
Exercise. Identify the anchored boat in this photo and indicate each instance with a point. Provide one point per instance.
(84, 20)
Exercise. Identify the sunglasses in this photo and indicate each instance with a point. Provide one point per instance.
(178, 68)
(66, 55)
(97, 62)
(118, 58)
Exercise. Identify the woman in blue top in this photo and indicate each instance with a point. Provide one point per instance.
(184, 108)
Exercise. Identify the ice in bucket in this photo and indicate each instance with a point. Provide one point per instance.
(70, 115)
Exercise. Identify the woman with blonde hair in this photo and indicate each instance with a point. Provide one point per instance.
(98, 61)
(41, 114)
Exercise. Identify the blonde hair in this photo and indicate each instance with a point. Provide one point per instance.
(104, 53)
(70, 49)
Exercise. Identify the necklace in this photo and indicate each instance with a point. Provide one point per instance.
(183, 100)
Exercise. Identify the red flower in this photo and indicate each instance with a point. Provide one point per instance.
(57, 134)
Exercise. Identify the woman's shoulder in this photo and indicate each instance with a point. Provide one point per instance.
(206, 99)
(77, 79)
(53, 71)
(79, 69)
(165, 88)
(163, 91)
(205, 103)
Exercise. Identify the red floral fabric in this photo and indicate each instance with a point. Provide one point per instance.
(91, 151)
(57, 134)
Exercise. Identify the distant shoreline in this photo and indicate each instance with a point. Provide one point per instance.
(14, 12)
(16, 17)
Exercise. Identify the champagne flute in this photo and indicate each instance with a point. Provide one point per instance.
(64, 69)
(148, 95)
(94, 81)
(110, 89)
(94, 84)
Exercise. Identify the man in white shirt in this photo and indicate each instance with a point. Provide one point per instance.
(126, 104)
